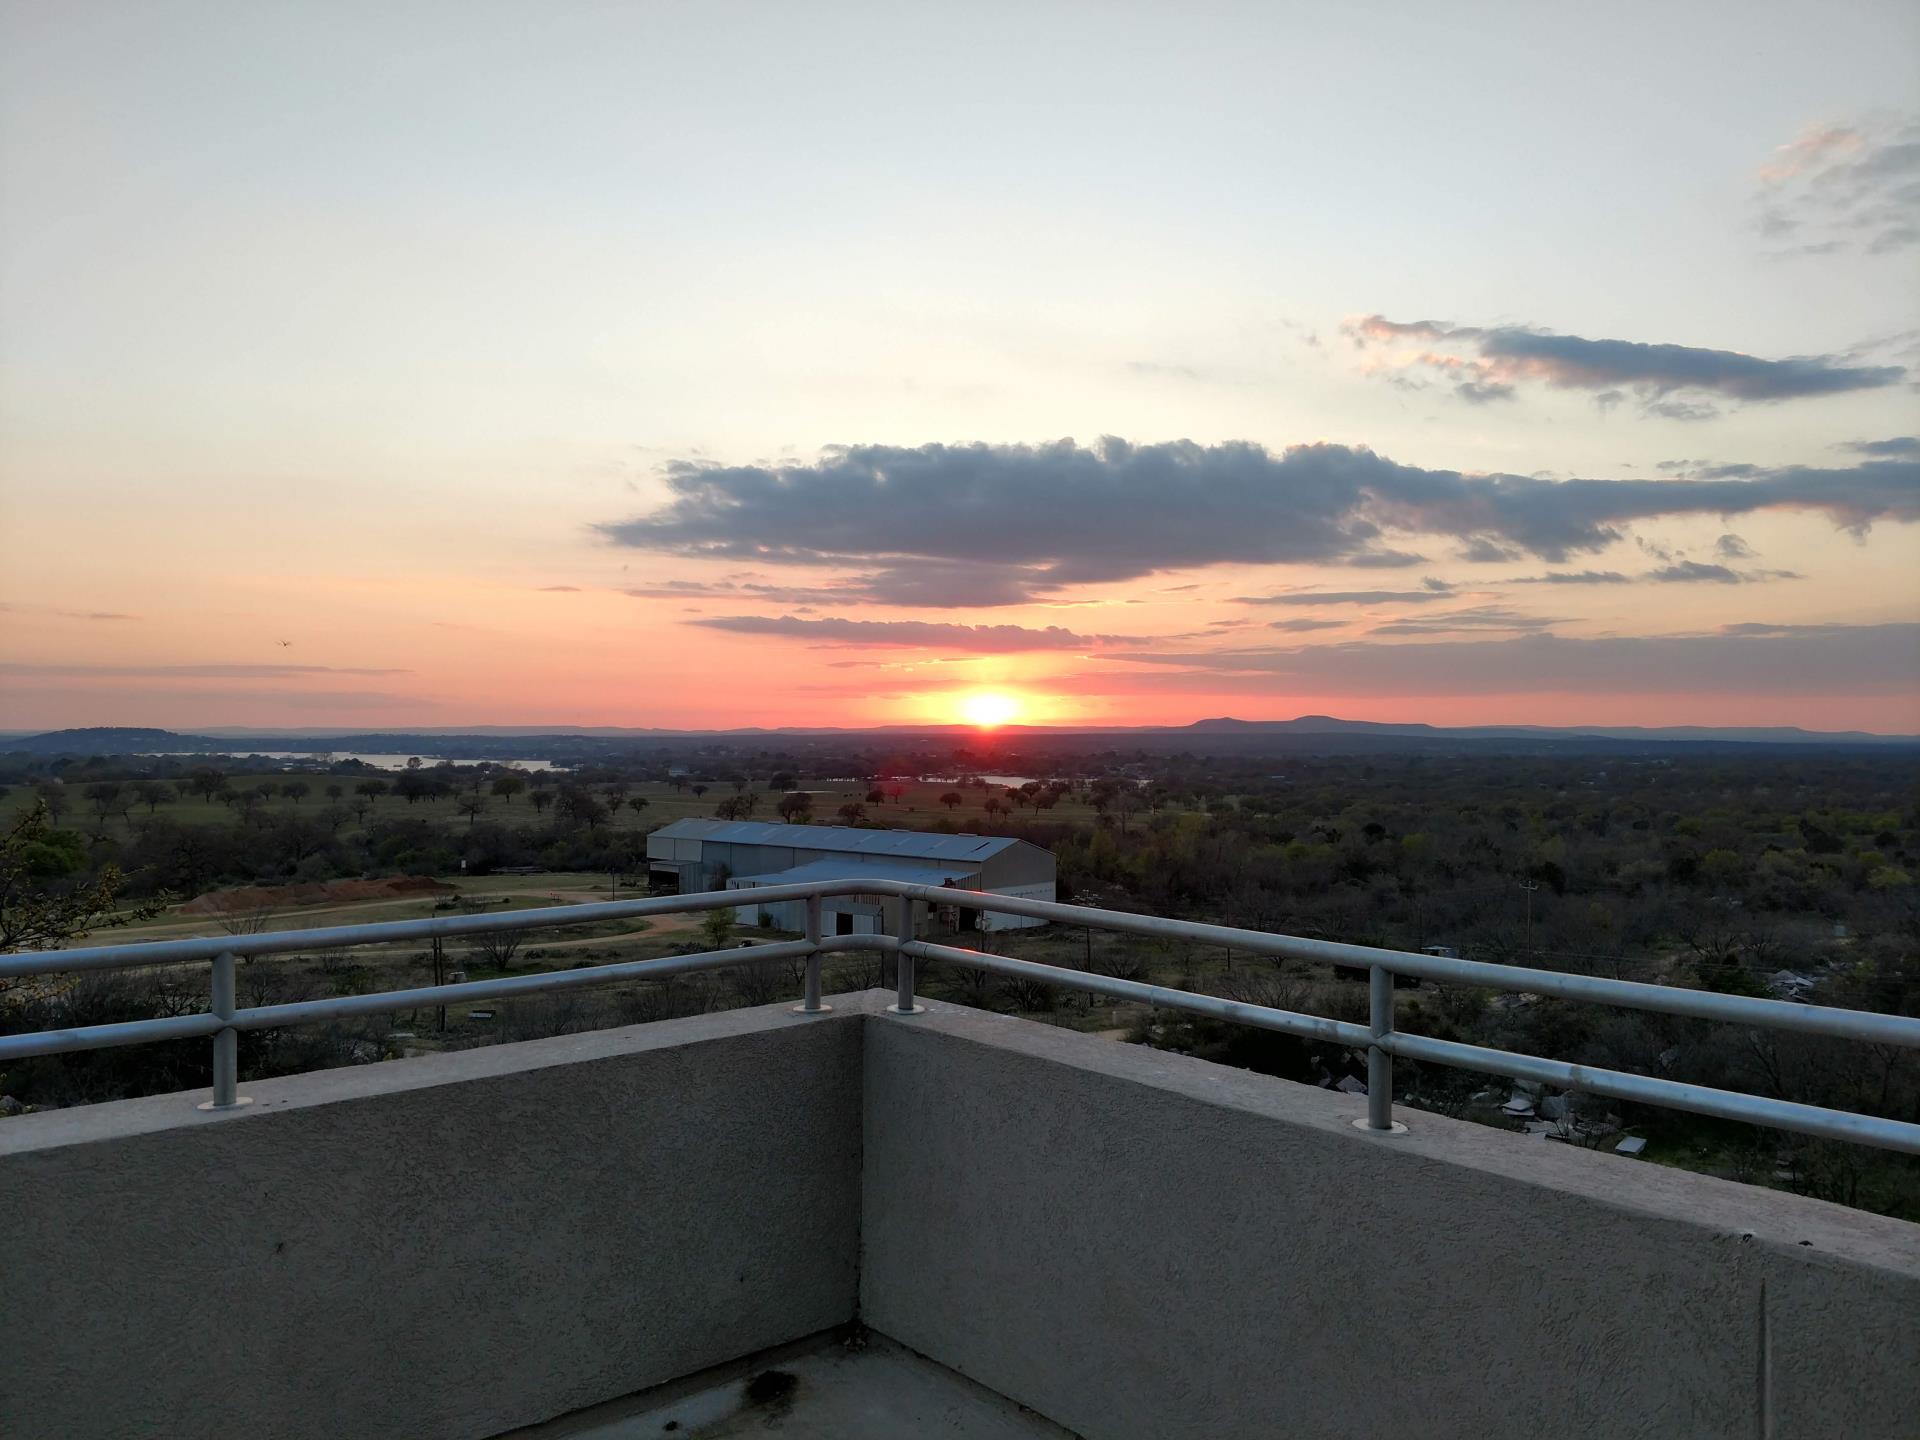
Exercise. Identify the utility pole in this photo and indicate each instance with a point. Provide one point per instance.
(1529, 886)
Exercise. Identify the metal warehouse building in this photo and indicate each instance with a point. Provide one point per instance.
(694, 855)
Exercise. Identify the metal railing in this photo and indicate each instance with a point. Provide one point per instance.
(224, 1019)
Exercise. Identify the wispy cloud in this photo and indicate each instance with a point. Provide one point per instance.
(914, 634)
(1676, 382)
(1843, 188)
(1433, 590)
(1570, 577)
(190, 672)
(1472, 618)
(1741, 660)
(1676, 571)
(59, 614)
(1899, 445)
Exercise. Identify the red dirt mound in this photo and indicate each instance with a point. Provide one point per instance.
(317, 892)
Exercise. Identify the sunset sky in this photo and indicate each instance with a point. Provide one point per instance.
(708, 365)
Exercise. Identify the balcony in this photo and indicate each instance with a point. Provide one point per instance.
(871, 1214)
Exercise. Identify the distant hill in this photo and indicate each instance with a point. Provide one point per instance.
(1308, 734)
(1767, 735)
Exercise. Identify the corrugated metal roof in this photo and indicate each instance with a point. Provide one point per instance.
(913, 844)
(861, 869)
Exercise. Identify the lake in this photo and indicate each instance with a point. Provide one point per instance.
(378, 762)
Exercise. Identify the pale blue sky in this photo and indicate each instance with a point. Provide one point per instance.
(439, 287)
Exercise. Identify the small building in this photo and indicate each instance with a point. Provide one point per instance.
(746, 855)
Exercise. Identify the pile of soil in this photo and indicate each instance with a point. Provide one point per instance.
(316, 892)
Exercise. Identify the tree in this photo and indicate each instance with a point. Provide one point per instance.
(242, 912)
(471, 806)
(295, 790)
(499, 947)
(577, 806)
(636, 803)
(541, 800)
(42, 904)
(372, 789)
(335, 790)
(952, 799)
(796, 808)
(698, 791)
(53, 795)
(207, 782)
(876, 796)
(104, 796)
(509, 785)
(853, 812)
(411, 785)
(153, 794)
(716, 928)
(993, 805)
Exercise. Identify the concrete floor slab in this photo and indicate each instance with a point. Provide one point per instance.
(821, 1390)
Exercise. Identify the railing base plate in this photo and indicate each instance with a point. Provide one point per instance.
(910, 1010)
(816, 1010)
(236, 1105)
(1394, 1129)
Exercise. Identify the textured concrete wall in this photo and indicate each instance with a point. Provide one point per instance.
(1142, 1245)
(1133, 1244)
(437, 1247)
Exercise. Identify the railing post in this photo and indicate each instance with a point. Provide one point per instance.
(900, 922)
(1379, 1062)
(810, 1002)
(226, 1041)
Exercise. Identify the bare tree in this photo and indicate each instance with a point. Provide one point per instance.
(499, 947)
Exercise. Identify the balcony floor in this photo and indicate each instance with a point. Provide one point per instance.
(876, 1390)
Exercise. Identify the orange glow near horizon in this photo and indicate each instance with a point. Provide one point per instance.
(990, 709)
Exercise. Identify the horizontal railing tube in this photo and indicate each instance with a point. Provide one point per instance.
(1383, 1041)
(395, 932)
(262, 1017)
(1262, 1017)
(1667, 999)
(108, 1037)
(1670, 1094)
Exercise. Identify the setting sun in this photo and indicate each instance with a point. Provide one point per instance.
(988, 708)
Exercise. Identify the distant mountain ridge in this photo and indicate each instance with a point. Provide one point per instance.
(1760, 734)
(1305, 733)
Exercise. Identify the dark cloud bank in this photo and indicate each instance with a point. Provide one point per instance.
(982, 525)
